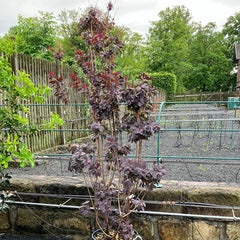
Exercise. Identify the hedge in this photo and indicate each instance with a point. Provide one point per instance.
(166, 81)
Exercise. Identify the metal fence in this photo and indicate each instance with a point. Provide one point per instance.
(202, 137)
(198, 141)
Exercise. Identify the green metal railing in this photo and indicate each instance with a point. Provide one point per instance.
(221, 130)
(164, 111)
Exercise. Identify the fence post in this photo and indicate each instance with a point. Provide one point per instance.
(14, 63)
(14, 60)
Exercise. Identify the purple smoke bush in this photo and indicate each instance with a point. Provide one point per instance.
(108, 172)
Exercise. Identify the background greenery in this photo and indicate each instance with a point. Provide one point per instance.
(199, 56)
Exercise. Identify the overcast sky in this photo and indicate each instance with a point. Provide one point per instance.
(134, 14)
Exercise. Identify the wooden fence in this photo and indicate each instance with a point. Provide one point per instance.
(216, 96)
(160, 97)
(74, 116)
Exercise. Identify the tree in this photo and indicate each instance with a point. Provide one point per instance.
(168, 40)
(210, 68)
(104, 159)
(69, 34)
(133, 60)
(231, 32)
(35, 34)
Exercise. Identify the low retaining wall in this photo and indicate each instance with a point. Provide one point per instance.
(166, 219)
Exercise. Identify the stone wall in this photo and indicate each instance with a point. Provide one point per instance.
(158, 224)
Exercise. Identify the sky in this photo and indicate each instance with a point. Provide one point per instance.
(134, 14)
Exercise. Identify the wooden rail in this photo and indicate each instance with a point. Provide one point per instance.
(215, 96)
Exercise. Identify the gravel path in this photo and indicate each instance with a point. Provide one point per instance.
(195, 150)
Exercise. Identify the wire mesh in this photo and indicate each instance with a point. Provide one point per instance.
(203, 137)
(197, 142)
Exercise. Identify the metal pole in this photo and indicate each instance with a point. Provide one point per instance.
(147, 156)
(200, 130)
(210, 217)
(158, 135)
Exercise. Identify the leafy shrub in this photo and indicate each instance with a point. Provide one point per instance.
(166, 81)
(103, 162)
(15, 90)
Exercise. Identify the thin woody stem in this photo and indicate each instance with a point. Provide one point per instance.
(132, 210)
(140, 151)
(139, 148)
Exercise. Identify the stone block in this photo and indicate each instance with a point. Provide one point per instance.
(203, 230)
(233, 231)
(214, 196)
(27, 220)
(40, 219)
(78, 223)
(174, 230)
(4, 224)
(144, 227)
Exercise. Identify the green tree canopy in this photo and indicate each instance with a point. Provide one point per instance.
(199, 56)
(69, 34)
(231, 32)
(168, 41)
(210, 68)
(133, 59)
(35, 34)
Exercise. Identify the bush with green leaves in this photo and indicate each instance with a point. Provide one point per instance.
(35, 34)
(165, 81)
(15, 91)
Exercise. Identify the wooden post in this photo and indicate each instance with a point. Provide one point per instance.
(14, 60)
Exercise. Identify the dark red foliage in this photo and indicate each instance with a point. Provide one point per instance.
(110, 6)
(60, 89)
(106, 90)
